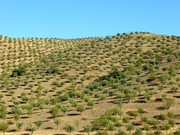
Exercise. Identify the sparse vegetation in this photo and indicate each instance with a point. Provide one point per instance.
(123, 84)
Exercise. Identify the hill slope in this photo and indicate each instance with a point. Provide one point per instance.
(105, 83)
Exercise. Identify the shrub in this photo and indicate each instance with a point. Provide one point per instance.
(166, 127)
(69, 128)
(38, 123)
(3, 112)
(162, 117)
(19, 125)
(171, 122)
(101, 133)
(169, 103)
(129, 128)
(88, 129)
(157, 132)
(121, 132)
(57, 121)
(147, 127)
(170, 114)
(125, 119)
(90, 103)
(134, 114)
(80, 108)
(177, 132)
(110, 127)
(138, 131)
(18, 71)
(54, 111)
(64, 109)
(31, 129)
(3, 127)
(144, 119)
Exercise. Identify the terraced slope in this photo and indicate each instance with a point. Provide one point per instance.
(107, 84)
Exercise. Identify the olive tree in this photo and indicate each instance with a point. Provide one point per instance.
(3, 127)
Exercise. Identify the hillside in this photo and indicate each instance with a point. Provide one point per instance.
(122, 84)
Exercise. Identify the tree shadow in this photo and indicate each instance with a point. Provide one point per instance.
(113, 102)
(50, 117)
(140, 101)
(158, 100)
(177, 96)
(12, 130)
(59, 134)
(49, 128)
(73, 114)
(160, 108)
(24, 117)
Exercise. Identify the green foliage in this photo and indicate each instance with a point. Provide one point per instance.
(134, 114)
(100, 123)
(80, 108)
(3, 127)
(3, 112)
(1, 95)
(52, 69)
(171, 122)
(64, 97)
(164, 77)
(101, 133)
(110, 127)
(141, 110)
(166, 127)
(169, 103)
(64, 109)
(157, 132)
(153, 122)
(18, 71)
(162, 117)
(121, 132)
(144, 119)
(54, 111)
(19, 125)
(148, 95)
(125, 119)
(57, 121)
(170, 114)
(177, 132)
(147, 127)
(31, 128)
(38, 123)
(88, 128)
(129, 128)
(90, 103)
(138, 131)
(69, 128)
